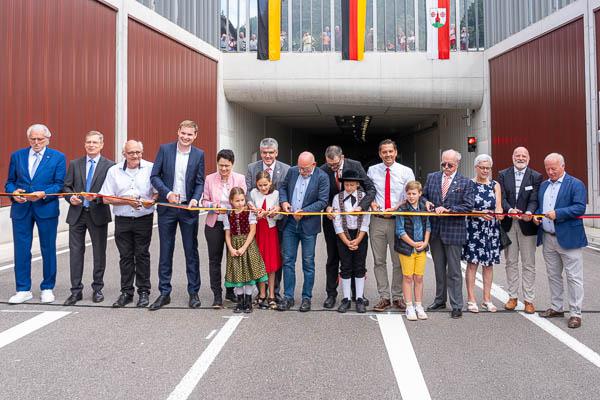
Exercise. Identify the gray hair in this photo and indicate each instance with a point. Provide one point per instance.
(483, 158)
(39, 127)
(269, 143)
(454, 152)
(133, 140)
(555, 156)
(333, 152)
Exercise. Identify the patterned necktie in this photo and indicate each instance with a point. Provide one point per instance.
(518, 180)
(88, 181)
(445, 186)
(388, 190)
(35, 165)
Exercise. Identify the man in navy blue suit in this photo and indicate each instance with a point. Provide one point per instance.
(562, 199)
(178, 176)
(36, 170)
(448, 191)
(305, 188)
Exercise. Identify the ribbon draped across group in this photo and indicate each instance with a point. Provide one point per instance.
(302, 213)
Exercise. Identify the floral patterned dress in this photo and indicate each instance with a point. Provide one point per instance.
(483, 237)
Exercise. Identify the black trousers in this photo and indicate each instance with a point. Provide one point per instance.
(98, 234)
(133, 236)
(354, 263)
(215, 241)
(332, 265)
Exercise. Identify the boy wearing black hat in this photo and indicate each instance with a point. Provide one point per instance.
(352, 239)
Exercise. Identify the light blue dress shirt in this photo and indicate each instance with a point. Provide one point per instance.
(550, 196)
(300, 191)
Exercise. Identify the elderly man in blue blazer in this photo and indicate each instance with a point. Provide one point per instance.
(448, 191)
(37, 170)
(305, 188)
(562, 199)
(178, 176)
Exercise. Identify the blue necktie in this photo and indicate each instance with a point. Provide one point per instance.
(88, 182)
(35, 165)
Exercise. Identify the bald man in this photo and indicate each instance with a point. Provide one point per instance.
(305, 188)
(520, 185)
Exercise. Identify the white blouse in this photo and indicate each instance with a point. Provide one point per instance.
(272, 201)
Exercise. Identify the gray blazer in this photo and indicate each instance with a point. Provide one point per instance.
(75, 183)
(281, 170)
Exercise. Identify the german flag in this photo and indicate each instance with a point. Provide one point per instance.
(353, 29)
(269, 29)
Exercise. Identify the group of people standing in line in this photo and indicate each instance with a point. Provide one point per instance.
(261, 242)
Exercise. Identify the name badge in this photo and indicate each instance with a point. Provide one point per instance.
(528, 187)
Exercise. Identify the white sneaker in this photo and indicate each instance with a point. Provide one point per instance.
(411, 315)
(21, 297)
(489, 306)
(47, 296)
(420, 312)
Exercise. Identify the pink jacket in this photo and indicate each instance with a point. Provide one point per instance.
(212, 192)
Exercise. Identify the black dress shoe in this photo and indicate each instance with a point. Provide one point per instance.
(72, 299)
(143, 301)
(160, 302)
(194, 301)
(248, 303)
(365, 300)
(436, 306)
(344, 305)
(98, 297)
(329, 302)
(285, 304)
(361, 307)
(123, 300)
(231, 297)
(217, 303)
(456, 313)
(239, 306)
(305, 305)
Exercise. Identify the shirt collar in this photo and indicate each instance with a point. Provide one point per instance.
(139, 167)
(346, 194)
(517, 170)
(451, 176)
(41, 152)
(272, 166)
(559, 180)
(183, 152)
(390, 167)
(96, 159)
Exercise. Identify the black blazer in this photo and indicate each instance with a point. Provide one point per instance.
(75, 182)
(368, 186)
(527, 200)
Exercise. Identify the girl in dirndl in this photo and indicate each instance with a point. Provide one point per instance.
(245, 266)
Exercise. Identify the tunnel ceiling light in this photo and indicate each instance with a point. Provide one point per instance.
(356, 125)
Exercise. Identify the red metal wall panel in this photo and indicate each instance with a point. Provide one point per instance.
(168, 83)
(58, 68)
(538, 100)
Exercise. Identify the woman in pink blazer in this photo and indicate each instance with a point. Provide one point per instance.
(216, 194)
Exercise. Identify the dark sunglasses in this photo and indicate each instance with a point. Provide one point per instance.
(447, 165)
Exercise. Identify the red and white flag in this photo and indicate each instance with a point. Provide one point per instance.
(438, 29)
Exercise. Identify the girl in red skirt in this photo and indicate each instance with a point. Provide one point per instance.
(266, 201)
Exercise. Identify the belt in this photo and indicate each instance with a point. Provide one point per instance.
(383, 216)
(550, 233)
(132, 218)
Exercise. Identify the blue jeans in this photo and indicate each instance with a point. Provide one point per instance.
(292, 236)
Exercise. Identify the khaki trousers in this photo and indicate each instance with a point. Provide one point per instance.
(382, 232)
(525, 247)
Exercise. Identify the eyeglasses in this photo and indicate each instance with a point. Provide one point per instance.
(447, 165)
(133, 153)
(33, 139)
(484, 168)
(306, 169)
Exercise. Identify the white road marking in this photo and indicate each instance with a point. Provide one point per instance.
(402, 356)
(191, 379)
(31, 325)
(211, 334)
(543, 323)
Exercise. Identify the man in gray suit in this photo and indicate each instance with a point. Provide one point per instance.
(87, 174)
(278, 170)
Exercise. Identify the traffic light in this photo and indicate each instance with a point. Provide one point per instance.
(472, 144)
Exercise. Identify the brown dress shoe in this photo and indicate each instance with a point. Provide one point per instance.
(574, 322)
(400, 304)
(529, 308)
(511, 304)
(550, 313)
(382, 305)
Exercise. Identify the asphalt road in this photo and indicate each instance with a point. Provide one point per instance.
(93, 351)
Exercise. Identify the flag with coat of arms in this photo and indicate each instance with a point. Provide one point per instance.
(438, 29)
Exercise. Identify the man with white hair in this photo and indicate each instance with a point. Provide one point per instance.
(36, 170)
(520, 185)
(448, 191)
(562, 199)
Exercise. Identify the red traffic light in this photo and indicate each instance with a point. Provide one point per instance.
(471, 140)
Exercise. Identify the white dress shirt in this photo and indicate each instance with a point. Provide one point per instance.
(272, 201)
(400, 175)
(181, 163)
(352, 220)
(518, 179)
(272, 167)
(121, 181)
(550, 196)
(32, 158)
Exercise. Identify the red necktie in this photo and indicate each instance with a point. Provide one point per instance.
(337, 180)
(388, 190)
